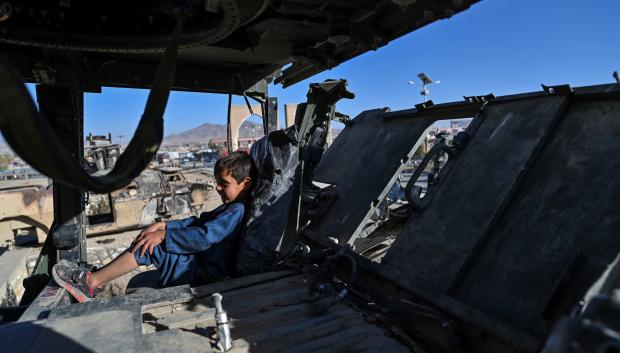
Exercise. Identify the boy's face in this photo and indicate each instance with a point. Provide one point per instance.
(229, 188)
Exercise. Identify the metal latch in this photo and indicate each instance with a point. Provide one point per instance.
(423, 106)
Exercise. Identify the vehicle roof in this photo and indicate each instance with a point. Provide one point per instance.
(227, 45)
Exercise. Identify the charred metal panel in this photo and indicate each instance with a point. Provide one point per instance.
(528, 216)
(561, 229)
(434, 245)
(363, 163)
(225, 45)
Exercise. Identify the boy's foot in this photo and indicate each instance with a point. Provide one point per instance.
(74, 279)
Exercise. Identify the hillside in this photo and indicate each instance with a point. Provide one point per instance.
(201, 134)
(207, 131)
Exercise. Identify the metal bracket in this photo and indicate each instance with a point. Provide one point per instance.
(424, 106)
(559, 89)
(319, 111)
(479, 99)
(44, 75)
(342, 118)
(65, 236)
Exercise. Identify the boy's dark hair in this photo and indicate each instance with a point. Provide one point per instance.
(238, 164)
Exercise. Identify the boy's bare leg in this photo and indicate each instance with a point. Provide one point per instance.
(118, 267)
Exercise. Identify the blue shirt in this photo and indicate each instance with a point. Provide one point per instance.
(212, 238)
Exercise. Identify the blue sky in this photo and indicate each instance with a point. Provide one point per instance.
(497, 46)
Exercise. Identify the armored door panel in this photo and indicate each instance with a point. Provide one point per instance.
(363, 163)
(561, 228)
(436, 243)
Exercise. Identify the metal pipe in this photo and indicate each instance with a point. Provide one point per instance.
(224, 340)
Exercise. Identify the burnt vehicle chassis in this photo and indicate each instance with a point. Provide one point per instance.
(529, 265)
(216, 46)
(512, 249)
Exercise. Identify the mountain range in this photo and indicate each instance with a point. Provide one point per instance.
(200, 134)
(207, 131)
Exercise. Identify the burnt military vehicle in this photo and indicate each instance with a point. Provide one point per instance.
(160, 193)
(521, 259)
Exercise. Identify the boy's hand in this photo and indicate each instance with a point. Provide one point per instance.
(148, 241)
(153, 227)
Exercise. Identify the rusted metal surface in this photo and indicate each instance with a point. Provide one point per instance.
(26, 209)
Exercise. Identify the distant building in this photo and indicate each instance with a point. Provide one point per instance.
(245, 143)
(99, 140)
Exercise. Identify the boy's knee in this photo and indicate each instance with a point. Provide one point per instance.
(144, 260)
(157, 258)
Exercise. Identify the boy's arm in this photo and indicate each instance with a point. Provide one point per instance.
(185, 222)
(180, 223)
(187, 240)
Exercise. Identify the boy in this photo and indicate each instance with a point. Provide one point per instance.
(194, 250)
